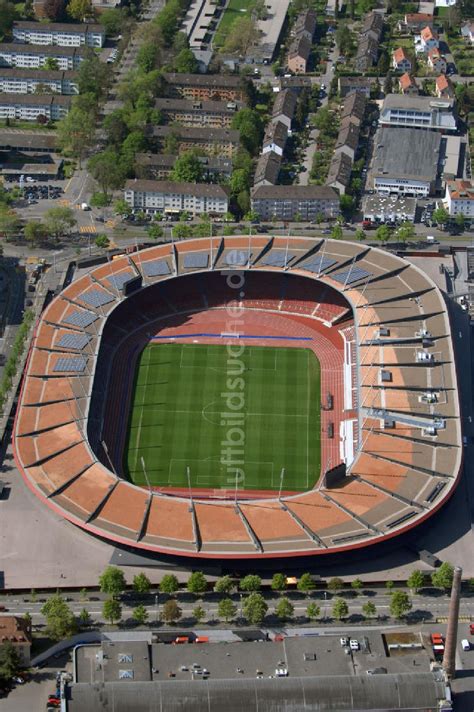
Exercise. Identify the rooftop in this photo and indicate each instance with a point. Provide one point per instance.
(34, 99)
(406, 152)
(354, 105)
(300, 47)
(80, 28)
(223, 107)
(417, 103)
(197, 133)
(267, 168)
(399, 55)
(285, 103)
(460, 189)
(52, 50)
(340, 169)
(406, 81)
(206, 190)
(294, 192)
(226, 81)
(13, 629)
(51, 74)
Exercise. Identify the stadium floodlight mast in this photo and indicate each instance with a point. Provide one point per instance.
(282, 477)
(188, 475)
(106, 450)
(145, 473)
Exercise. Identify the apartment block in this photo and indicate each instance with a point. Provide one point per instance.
(286, 202)
(168, 197)
(34, 107)
(459, 198)
(198, 112)
(217, 87)
(29, 81)
(33, 57)
(158, 166)
(214, 142)
(15, 630)
(60, 34)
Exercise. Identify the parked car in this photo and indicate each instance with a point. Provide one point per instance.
(465, 644)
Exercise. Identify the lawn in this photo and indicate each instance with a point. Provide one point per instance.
(178, 417)
(235, 9)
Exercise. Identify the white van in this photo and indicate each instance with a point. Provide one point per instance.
(430, 238)
(465, 644)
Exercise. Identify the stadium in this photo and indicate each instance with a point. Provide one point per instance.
(243, 398)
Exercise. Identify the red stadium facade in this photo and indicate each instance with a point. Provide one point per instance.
(390, 426)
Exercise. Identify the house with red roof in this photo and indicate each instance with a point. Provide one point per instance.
(407, 84)
(401, 61)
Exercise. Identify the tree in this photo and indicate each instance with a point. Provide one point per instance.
(199, 614)
(140, 615)
(460, 221)
(99, 200)
(27, 620)
(7, 16)
(113, 20)
(254, 608)
(416, 580)
(80, 10)
(313, 611)
(388, 84)
(400, 604)
(250, 583)
(53, 9)
(389, 585)
(284, 609)
(226, 609)
(60, 621)
(346, 203)
(121, 207)
(335, 584)
(340, 609)
(336, 232)
(102, 241)
(224, 584)
(356, 585)
(187, 168)
(35, 233)
(305, 583)
(9, 659)
(84, 618)
(112, 610)
(76, 132)
(59, 221)
(369, 610)
(185, 62)
(197, 583)
(440, 216)
(443, 577)
(278, 582)
(155, 231)
(360, 234)
(93, 76)
(112, 581)
(29, 10)
(405, 232)
(249, 124)
(242, 35)
(10, 224)
(383, 233)
(170, 612)
(105, 168)
(141, 583)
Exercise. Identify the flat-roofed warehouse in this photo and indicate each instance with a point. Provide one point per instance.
(406, 161)
(405, 691)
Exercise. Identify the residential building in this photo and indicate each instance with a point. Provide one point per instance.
(305, 24)
(29, 81)
(418, 112)
(348, 137)
(198, 112)
(287, 202)
(415, 22)
(436, 61)
(408, 85)
(298, 55)
(339, 175)
(276, 135)
(372, 26)
(428, 40)
(367, 54)
(33, 57)
(467, 32)
(158, 166)
(56, 33)
(217, 142)
(168, 197)
(218, 87)
(296, 84)
(444, 87)
(353, 107)
(34, 107)
(406, 162)
(459, 198)
(330, 10)
(270, 27)
(401, 61)
(389, 208)
(284, 107)
(350, 85)
(14, 629)
(267, 169)
(445, 3)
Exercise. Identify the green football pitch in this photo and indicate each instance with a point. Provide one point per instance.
(178, 417)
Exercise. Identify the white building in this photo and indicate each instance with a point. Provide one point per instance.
(33, 57)
(286, 202)
(169, 197)
(445, 3)
(459, 198)
(422, 112)
(31, 107)
(62, 35)
(29, 81)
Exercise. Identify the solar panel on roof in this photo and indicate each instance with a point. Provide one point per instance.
(278, 259)
(237, 258)
(319, 264)
(196, 260)
(75, 364)
(80, 318)
(74, 341)
(351, 275)
(96, 298)
(156, 268)
(118, 280)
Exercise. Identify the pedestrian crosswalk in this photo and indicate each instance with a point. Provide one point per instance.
(87, 229)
